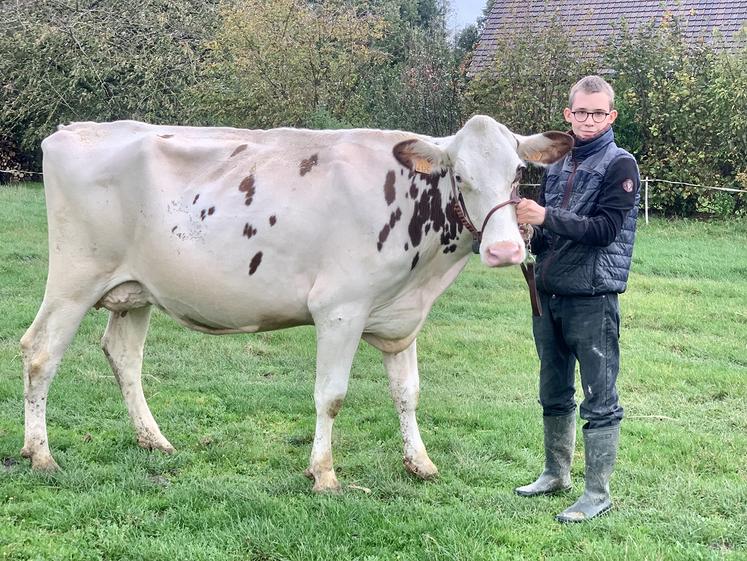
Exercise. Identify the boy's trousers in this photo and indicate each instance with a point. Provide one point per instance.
(584, 329)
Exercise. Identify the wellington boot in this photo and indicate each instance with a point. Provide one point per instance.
(560, 440)
(600, 453)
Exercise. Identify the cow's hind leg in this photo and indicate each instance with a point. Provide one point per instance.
(42, 347)
(404, 384)
(338, 334)
(123, 344)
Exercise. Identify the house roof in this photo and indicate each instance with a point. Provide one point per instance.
(599, 18)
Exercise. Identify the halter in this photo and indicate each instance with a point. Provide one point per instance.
(463, 215)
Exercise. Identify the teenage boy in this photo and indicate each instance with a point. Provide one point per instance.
(582, 232)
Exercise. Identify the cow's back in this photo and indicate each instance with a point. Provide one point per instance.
(234, 229)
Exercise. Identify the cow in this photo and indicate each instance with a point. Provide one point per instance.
(238, 231)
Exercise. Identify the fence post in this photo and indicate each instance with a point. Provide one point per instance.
(645, 197)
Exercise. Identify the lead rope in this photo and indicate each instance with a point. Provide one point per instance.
(527, 268)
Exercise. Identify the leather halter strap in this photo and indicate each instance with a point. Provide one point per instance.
(461, 210)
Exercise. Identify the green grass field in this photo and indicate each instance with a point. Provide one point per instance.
(240, 411)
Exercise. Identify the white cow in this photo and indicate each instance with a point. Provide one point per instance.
(238, 231)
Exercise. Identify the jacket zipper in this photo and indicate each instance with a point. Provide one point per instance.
(564, 204)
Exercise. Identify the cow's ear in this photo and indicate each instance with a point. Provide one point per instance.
(421, 156)
(544, 148)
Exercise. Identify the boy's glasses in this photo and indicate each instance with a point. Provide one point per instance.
(596, 116)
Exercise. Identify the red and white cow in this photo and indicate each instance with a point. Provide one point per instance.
(238, 231)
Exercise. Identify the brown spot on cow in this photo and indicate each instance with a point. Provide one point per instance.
(395, 216)
(383, 235)
(334, 407)
(309, 163)
(238, 150)
(256, 260)
(431, 212)
(203, 214)
(273, 219)
(389, 192)
(247, 187)
(415, 260)
(413, 190)
(249, 231)
(197, 196)
(211, 210)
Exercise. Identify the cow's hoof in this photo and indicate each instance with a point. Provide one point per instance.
(44, 464)
(329, 487)
(422, 468)
(153, 443)
(325, 482)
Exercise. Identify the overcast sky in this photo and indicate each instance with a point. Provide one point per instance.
(465, 12)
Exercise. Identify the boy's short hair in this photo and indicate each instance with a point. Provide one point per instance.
(592, 84)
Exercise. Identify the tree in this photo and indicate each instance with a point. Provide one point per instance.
(288, 62)
(83, 60)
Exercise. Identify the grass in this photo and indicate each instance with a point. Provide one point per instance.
(240, 411)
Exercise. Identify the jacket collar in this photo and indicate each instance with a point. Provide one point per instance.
(585, 148)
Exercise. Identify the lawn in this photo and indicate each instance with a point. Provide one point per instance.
(240, 411)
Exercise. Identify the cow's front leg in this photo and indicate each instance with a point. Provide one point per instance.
(338, 333)
(404, 384)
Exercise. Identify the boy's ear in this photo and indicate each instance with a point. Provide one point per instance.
(543, 148)
(421, 156)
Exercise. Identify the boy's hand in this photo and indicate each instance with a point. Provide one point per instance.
(529, 212)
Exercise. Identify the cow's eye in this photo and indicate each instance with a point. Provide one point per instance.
(458, 178)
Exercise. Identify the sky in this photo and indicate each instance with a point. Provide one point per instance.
(465, 12)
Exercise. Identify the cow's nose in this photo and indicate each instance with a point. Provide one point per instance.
(502, 254)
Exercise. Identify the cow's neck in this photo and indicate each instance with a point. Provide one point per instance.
(433, 226)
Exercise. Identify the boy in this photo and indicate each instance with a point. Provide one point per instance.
(584, 228)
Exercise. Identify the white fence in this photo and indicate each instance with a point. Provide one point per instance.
(647, 181)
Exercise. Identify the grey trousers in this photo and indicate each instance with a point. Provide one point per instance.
(584, 329)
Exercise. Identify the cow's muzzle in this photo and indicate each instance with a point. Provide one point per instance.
(502, 254)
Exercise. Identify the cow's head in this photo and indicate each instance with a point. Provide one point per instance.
(487, 161)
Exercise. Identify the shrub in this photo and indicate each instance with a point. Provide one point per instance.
(64, 60)
(662, 83)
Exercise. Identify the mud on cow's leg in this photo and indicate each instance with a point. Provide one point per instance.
(338, 332)
(122, 344)
(404, 384)
(42, 347)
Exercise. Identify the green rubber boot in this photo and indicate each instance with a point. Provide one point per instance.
(600, 453)
(560, 440)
